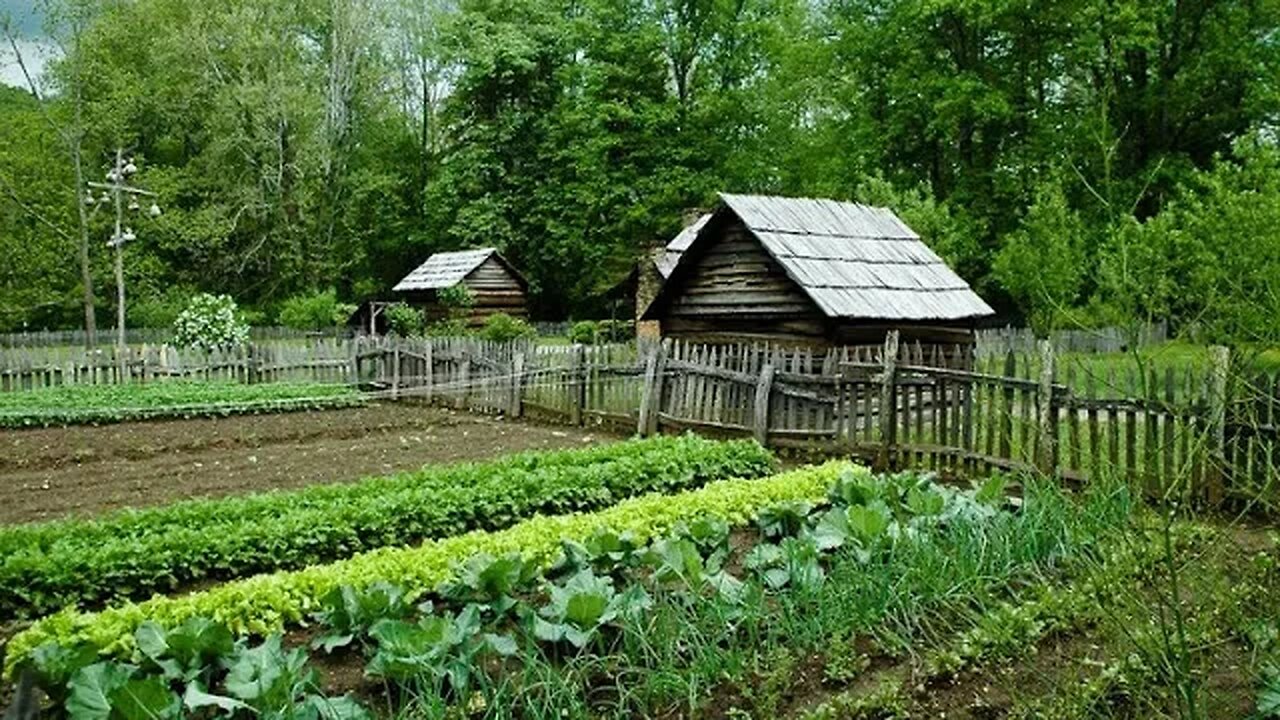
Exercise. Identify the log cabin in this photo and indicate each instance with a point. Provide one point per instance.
(495, 285)
(809, 272)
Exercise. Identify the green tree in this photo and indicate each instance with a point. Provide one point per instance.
(1042, 264)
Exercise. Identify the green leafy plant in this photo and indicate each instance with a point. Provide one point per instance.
(269, 681)
(584, 332)
(842, 662)
(76, 404)
(784, 520)
(436, 650)
(501, 327)
(54, 664)
(210, 322)
(1269, 694)
(404, 320)
(456, 299)
(794, 562)
(348, 613)
(186, 652)
(316, 311)
(595, 332)
(265, 603)
(108, 690)
(452, 327)
(490, 584)
(584, 604)
(137, 553)
(605, 551)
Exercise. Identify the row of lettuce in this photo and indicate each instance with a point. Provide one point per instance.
(84, 404)
(442, 622)
(136, 553)
(264, 604)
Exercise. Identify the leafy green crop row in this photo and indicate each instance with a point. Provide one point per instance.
(72, 404)
(265, 603)
(134, 554)
(499, 613)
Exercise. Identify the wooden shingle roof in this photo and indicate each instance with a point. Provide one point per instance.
(852, 260)
(446, 269)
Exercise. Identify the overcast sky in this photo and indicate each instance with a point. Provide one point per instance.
(27, 19)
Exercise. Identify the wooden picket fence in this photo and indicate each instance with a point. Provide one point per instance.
(316, 360)
(1199, 436)
(998, 341)
(1202, 434)
(105, 338)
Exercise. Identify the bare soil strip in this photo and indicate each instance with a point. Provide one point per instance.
(86, 470)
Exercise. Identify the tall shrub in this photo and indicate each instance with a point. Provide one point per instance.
(210, 322)
(316, 311)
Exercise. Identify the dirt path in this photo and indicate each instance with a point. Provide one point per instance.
(86, 470)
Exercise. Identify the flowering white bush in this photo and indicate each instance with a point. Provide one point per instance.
(210, 322)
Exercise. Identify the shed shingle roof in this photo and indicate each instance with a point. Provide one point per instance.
(853, 261)
(444, 269)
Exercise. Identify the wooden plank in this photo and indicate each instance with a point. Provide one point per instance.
(760, 414)
(1074, 461)
(517, 385)
(1047, 426)
(651, 393)
(1150, 420)
(1091, 414)
(1113, 427)
(1007, 409)
(967, 438)
(941, 421)
(578, 392)
(888, 402)
(1131, 430)
(1220, 364)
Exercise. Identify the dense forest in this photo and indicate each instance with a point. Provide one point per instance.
(1080, 162)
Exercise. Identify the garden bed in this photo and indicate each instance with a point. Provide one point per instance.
(96, 404)
(46, 473)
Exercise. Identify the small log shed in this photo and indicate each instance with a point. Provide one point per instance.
(800, 271)
(495, 285)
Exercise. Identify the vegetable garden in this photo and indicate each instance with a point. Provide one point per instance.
(665, 577)
(76, 404)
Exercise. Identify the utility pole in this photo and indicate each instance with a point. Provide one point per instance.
(114, 191)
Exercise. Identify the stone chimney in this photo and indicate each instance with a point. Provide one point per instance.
(649, 280)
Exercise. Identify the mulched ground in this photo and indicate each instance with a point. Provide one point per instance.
(84, 470)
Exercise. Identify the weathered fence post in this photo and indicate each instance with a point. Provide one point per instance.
(251, 365)
(578, 385)
(1007, 408)
(888, 403)
(764, 386)
(651, 394)
(429, 367)
(1220, 366)
(464, 375)
(1046, 454)
(395, 369)
(517, 384)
